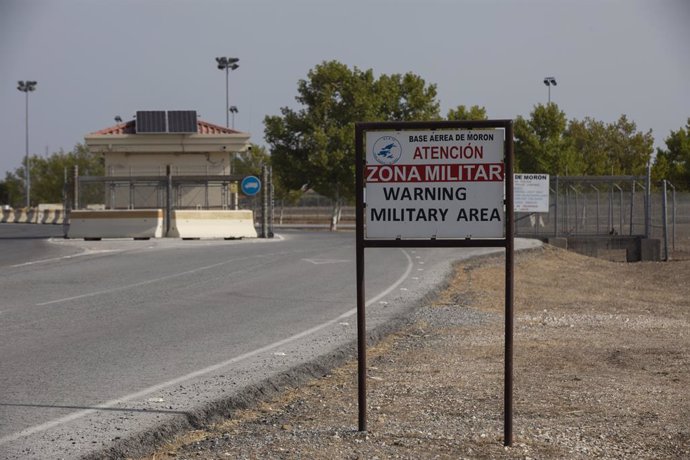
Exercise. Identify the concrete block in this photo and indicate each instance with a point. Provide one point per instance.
(7, 216)
(650, 249)
(558, 242)
(58, 217)
(46, 216)
(32, 216)
(20, 216)
(134, 223)
(48, 213)
(212, 224)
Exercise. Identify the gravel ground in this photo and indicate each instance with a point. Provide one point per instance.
(602, 361)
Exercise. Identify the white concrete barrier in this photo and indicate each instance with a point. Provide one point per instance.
(46, 216)
(49, 212)
(7, 216)
(212, 224)
(20, 216)
(59, 217)
(32, 216)
(133, 223)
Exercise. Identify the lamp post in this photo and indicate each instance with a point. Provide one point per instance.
(227, 64)
(233, 110)
(550, 81)
(26, 87)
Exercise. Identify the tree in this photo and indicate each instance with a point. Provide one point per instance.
(630, 150)
(610, 149)
(48, 173)
(405, 98)
(541, 145)
(673, 163)
(314, 147)
(589, 138)
(249, 162)
(4, 193)
(13, 190)
(462, 113)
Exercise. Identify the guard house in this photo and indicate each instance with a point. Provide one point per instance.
(146, 146)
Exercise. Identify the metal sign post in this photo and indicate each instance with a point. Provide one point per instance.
(435, 185)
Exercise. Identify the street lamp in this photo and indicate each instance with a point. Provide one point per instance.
(550, 81)
(227, 64)
(26, 87)
(233, 110)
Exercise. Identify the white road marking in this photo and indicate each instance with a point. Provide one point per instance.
(326, 261)
(207, 370)
(144, 283)
(129, 286)
(54, 259)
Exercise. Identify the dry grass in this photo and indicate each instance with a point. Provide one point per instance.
(602, 357)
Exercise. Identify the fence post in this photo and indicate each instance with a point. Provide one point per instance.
(234, 196)
(673, 215)
(168, 199)
(271, 202)
(264, 202)
(65, 204)
(577, 204)
(555, 222)
(648, 203)
(597, 218)
(567, 209)
(75, 187)
(620, 208)
(664, 214)
(65, 191)
(206, 203)
(632, 206)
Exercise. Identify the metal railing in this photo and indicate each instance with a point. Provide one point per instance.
(169, 191)
(610, 205)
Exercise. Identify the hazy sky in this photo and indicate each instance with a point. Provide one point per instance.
(95, 59)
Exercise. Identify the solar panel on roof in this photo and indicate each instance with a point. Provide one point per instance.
(151, 121)
(182, 121)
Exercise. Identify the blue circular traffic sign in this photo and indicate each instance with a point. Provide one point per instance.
(250, 185)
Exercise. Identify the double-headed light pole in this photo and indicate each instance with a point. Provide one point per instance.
(233, 110)
(550, 81)
(227, 64)
(26, 87)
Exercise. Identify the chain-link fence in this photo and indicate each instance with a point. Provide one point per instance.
(578, 206)
(610, 205)
(171, 188)
(589, 206)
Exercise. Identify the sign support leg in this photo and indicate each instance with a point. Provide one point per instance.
(361, 304)
(508, 377)
(509, 290)
(361, 341)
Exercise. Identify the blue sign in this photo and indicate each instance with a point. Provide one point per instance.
(250, 185)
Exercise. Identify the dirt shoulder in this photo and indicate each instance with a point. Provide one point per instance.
(602, 361)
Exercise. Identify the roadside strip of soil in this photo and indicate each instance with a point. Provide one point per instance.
(602, 361)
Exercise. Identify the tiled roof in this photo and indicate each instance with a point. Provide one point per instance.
(120, 128)
(202, 127)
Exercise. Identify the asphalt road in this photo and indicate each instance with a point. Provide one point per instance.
(100, 341)
(22, 242)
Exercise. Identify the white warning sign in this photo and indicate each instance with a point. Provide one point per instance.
(435, 184)
(531, 193)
